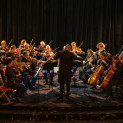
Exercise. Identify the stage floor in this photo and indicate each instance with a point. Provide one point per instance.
(80, 95)
(85, 105)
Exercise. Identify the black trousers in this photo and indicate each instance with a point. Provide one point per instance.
(62, 89)
(20, 89)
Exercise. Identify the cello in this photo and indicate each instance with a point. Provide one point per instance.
(93, 80)
(110, 74)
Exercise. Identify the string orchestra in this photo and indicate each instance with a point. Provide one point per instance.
(97, 68)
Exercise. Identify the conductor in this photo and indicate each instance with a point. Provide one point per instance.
(65, 69)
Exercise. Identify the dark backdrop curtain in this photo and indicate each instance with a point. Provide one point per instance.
(63, 21)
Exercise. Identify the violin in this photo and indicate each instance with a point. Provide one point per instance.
(6, 48)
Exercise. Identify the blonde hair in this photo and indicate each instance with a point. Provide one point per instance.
(101, 43)
(3, 41)
(42, 42)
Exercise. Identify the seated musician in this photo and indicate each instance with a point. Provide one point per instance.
(11, 81)
(101, 49)
(21, 76)
(89, 65)
(11, 52)
(42, 46)
(49, 69)
(2, 58)
(117, 77)
(76, 49)
(23, 42)
(26, 48)
(3, 46)
(29, 69)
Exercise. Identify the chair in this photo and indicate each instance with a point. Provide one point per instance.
(119, 89)
(5, 90)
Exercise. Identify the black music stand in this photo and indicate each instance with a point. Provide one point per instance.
(49, 66)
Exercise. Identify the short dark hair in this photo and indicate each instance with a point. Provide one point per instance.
(115, 57)
(25, 52)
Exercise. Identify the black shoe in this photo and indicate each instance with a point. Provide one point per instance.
(94, 87)
(32, 88)
(19, 99)
(109, 99)
(60, 99)
(46, 83)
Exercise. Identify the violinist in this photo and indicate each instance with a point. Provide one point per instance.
(29, 68)
(101, 49)
(11, 81)
(47, 56)
(42, 46)
(88, 65)
(75, 49)
(12, 52)
(23, 42)
(26, 48)
(116, 78)
(4, 46)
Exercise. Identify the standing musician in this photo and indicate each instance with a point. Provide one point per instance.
(11, 80)
(48, 55)
(65, 69)
(89, 65)
(117, 77)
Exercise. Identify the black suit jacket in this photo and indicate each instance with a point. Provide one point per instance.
(66, 65)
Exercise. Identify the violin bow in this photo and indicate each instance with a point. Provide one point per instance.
(81, 44)
(10, 42)
(31, 41)
(50, 42)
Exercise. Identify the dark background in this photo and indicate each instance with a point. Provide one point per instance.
(63, 21)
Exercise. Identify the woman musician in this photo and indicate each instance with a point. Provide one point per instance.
(76, 49)
(48, 55)
(89, 64)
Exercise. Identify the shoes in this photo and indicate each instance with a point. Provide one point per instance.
(109, 98)
(60, 99)
(94, 87)
(19, 99)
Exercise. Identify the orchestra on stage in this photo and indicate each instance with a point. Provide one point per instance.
(18, 67)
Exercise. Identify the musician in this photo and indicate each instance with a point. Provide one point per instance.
(42, 46)
(65, 69)
(89, 65)
(26, 48)
(29, 69)
(4, 46)
(101, 49)
(11, 52)
(76, 49)
(23, 42)
(11, 81)
(117, 77)
(49, 69)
